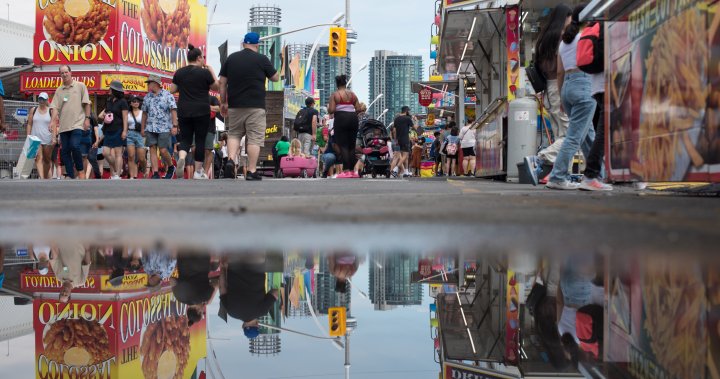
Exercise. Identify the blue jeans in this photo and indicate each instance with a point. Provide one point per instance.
(70, 151)
(580, 107)
(328, 160)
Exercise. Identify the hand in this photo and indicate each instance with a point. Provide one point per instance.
(95, 145)
(142, 133)
(86, 124)
(173, 131)
(313, 137)
(275, 293)
(123, 135)
(224, 110)
(53, 140)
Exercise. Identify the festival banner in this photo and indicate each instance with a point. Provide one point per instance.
(512, 40)
(33, 281)
(36, 82)
(131, 83)
(149, 34)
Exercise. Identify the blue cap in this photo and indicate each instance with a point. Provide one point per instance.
(251, 38)
(251, 331)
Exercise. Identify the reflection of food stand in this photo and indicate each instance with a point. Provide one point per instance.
(662, 103)
(139, 336)
(663, 319)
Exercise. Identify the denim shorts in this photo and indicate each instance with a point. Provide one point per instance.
(113, 139)
(134, 138)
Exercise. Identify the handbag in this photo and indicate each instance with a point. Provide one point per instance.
(536, 78)
(109, 117)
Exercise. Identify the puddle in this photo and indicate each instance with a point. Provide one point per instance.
(75, 310)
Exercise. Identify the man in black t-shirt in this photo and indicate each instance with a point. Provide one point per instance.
(192, 287)
(308, 132)
(242, 292)
(242, 94)
(401, 134)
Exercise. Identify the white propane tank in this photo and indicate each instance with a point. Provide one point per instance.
(522, 134)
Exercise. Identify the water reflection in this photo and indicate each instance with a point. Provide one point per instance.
(154, 312)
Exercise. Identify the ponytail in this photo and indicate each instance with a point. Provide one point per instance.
(572, 30)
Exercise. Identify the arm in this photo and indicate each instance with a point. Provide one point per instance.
(314, 128)
(144, 123)
(173, 88)
(275, 78)
(30, 121)
(215, 86)
(173, 114)
(125, 124)
(97, 138)
(223, 96)
(332, 105)
(560, 74)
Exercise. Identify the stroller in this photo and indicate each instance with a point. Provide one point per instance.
(374, 140)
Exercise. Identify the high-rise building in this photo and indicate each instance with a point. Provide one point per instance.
(391, 74)
(325, 295)
(327, 69)
(265, 21)
(390, 284)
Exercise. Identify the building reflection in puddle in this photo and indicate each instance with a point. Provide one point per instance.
(131, 312)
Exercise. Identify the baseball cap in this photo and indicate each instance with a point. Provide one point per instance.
(251, 38)
(251, 331)
(43, 95)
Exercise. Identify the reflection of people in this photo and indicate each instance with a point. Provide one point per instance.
(71, 264)
(42, 255)
(343, 267)
(158, 265)
(192, 286)
(242, 293)
(2, 266)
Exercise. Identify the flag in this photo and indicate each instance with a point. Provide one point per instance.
(286, 67)
(272, 53)
(223, 49)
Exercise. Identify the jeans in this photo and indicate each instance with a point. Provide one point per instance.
(92, 159)
(328, 160)
(580, 107)
(306, 142)
(558, 118)
(595, 159)
(70, 151)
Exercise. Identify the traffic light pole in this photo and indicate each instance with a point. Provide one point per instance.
(347, 356)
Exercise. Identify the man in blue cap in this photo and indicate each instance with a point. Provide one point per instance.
(242, 97)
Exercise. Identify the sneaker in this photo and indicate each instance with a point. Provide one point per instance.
(394, 174)
(531, 168)
(229, 170)
(156, 176)
(345, 175)
(594, 185)
(170, 172)
(355, 175)
(253, 176)
(181, 168)
(199, 175)
(115, 177)
(566, 185)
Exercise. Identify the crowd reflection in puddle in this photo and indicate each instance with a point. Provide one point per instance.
(112, 311)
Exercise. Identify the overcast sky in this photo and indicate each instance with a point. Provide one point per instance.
(399, 25)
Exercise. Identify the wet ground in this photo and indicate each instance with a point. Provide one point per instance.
(361, 214)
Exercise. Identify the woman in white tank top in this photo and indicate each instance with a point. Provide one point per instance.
(578, 103)
(40, 125)
(137, 152)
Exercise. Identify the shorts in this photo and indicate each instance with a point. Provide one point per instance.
(209, 141)
(85, 148)
(249, 123)
(134, 138)
(113, 139)
(242, 161)
(404, 146)
(468, 152)
(158, 139)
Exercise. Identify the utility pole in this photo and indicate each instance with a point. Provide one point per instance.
(347, 355)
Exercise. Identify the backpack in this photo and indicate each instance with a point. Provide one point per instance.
(451, 148)
(303, 121)
(591, 49)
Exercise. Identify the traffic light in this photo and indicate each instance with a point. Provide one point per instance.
(338, 42)
(337, 320)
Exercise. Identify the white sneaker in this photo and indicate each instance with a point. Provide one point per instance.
(115, 177)
(566, 185)
(594, 185)
(198, 175)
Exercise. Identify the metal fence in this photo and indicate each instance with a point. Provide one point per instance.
(13, 139)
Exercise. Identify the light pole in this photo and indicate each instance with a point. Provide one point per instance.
(334, 22)
(381, 116)
(364, 67)
(374, 101)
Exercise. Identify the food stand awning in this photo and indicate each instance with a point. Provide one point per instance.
(608, 10)
(97, 82)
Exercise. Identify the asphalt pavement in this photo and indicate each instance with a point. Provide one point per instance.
(360, 215)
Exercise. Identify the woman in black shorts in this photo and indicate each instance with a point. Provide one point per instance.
(344, 107)
(467, 143)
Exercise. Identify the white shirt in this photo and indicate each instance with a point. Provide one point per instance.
(567, 323)
(131, 121)
(468, 137)
(598, 83)
(568, 54)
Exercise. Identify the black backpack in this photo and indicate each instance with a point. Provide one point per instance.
(303, 121)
